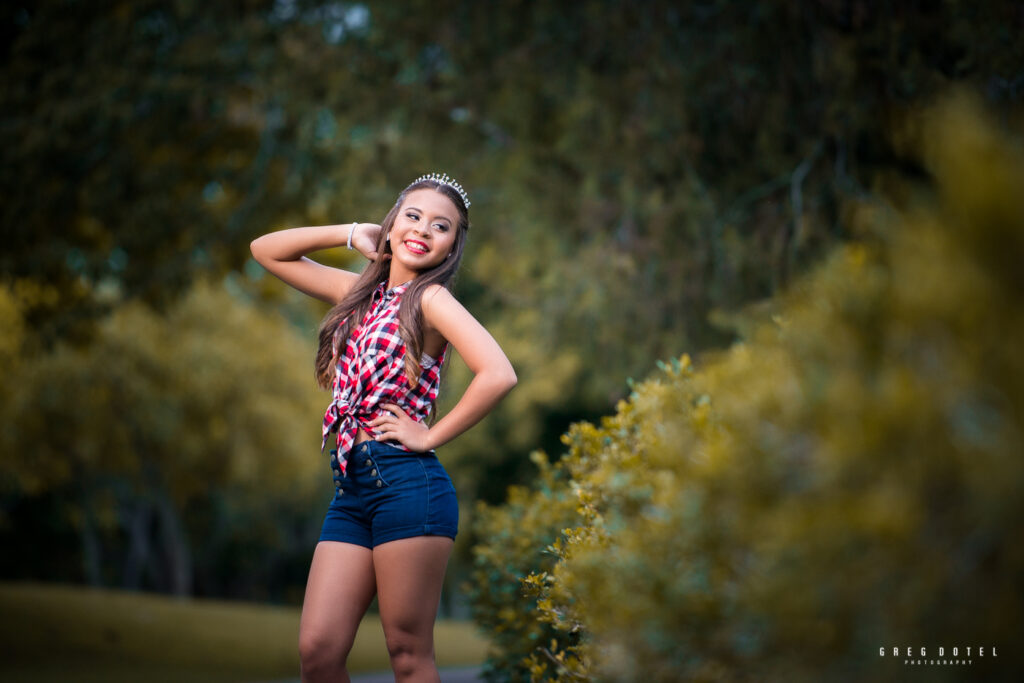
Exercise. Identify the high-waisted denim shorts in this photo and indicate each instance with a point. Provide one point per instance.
(388, 494)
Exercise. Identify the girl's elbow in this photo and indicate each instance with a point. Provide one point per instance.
(499, 378)
(256, 248)
(510, 379)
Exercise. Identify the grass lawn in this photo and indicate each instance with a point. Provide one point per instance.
(60, 633)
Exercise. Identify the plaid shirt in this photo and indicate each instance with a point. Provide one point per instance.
(372, 371)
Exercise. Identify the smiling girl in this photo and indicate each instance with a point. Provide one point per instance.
(390, 528)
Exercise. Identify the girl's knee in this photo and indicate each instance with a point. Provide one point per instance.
(409, 652)
(321, 654)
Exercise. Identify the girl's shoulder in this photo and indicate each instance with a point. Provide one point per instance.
(436, 303)
(437, 297)
(434, 290)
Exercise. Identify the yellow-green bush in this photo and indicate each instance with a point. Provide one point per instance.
(847, 478)
(519, 536)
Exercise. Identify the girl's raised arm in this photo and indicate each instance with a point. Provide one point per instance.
(283, 254)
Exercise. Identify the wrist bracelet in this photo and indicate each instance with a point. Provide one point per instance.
(351, 232)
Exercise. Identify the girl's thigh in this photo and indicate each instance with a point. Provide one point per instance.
(340, 587)
(410, 573)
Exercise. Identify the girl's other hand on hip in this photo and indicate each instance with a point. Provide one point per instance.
(398, 426)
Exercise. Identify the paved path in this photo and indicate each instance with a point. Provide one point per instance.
(460, 675)
(470, 675)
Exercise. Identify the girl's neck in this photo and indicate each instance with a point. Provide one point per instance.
(392, 283)
(399, 276)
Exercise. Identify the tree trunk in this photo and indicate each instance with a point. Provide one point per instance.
(91, 553)
(175, 546)
(138, 525)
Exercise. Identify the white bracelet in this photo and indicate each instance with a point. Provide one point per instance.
(351, 232)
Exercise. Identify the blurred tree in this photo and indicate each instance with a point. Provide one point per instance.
(169, 441)
(145, 141)
(140, 141)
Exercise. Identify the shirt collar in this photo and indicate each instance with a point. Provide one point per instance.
(388, 294)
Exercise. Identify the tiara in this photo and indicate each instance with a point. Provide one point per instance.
(444, 179)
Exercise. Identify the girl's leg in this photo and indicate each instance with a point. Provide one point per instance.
(410, 572)
(340, 587)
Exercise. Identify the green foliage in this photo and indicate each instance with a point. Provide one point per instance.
(520, 537)
(204, 394)
(846, 478)
(187, 418)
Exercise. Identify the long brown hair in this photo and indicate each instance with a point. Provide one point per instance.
(343, 318)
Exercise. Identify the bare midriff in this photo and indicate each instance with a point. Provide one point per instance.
(362, 436)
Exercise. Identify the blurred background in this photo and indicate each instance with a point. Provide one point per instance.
(648, 179)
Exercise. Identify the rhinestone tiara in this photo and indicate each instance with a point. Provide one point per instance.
(445, 179)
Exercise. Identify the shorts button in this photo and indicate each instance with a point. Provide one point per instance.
(337, 483)
(373, 473)
(368, 462)
(379, 483)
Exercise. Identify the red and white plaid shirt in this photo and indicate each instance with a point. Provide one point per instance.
(372, 371)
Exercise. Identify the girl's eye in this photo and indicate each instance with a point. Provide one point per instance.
(411, 216)
(441, 226)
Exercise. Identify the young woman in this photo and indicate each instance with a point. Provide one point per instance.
(390, 528)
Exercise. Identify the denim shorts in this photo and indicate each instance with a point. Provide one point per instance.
(388, 494)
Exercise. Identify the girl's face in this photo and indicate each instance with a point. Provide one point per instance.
(424, 231)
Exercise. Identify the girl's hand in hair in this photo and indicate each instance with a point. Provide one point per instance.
(398, 426)
(365, 240)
